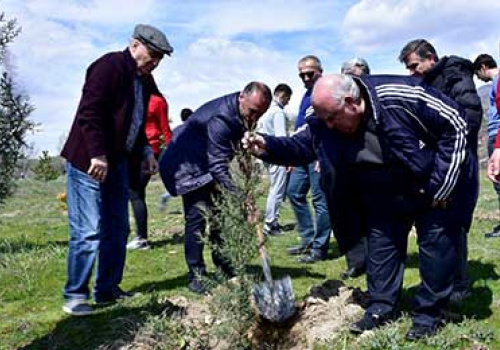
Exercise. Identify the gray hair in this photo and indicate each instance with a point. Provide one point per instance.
(348, 66)
(346, 86)
(313, 58)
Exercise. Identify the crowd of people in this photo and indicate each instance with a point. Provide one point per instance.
(380, 154)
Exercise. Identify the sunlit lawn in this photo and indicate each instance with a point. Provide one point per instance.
(33, 247)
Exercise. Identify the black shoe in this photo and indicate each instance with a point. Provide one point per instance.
(495, 233)
(297, 250)
(352, 272)
(196, 286)
(418, 331)
(458, 297)
(371, 321)
(312, 257)
(112, 297)
(273, 229)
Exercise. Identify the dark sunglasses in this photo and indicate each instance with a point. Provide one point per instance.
(310, 75)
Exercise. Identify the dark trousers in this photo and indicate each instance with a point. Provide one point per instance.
(467, 195)
(356, 256)
(137, 196)
(197, 205)
(389, 206)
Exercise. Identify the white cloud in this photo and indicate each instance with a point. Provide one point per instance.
(211, 67)
(231, 18)
(222, 45)
(460, 27)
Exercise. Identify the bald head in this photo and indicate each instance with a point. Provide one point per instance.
(336, 100)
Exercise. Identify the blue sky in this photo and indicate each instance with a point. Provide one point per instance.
(221, 45)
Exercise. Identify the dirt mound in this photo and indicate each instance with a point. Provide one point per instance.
(323, 314)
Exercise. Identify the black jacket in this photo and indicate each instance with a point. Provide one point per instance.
(453, 76)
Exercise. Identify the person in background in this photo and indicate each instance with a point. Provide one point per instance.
(274, 123)
(164, 198)
(195, 165)
(356, 256)
(106, 137)
(185, 114)
(158, 134)
(453, 76)
(486, 70)
(315, 234)
(356, 66)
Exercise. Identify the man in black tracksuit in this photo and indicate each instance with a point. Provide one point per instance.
(396, 152)
(453, 76)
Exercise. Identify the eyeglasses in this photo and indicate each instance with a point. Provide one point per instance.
(310, 75)
(152, 53)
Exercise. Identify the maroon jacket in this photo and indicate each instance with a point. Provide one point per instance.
(103, 118)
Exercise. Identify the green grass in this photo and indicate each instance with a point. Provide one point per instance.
(33, 247)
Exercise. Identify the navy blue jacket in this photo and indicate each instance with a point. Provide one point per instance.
(418, 126)
(202, 148)
(421, 131)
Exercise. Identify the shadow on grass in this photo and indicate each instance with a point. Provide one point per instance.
(173, 239)
(478, 305)
(279, 272)
(107, 329)
(168, 284)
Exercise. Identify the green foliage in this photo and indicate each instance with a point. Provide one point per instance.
(14, 111)
(231, 303)
(44, 170)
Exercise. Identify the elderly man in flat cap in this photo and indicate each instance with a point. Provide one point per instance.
(107, 136)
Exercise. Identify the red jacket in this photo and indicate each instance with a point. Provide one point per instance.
(157, 123)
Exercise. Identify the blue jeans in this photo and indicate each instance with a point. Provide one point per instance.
(98, 228)
(302, 179)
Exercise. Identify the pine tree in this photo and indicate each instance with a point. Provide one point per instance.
(44, 170)
(14, 111)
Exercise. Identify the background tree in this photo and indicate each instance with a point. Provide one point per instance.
(14, 112)
(45, 170)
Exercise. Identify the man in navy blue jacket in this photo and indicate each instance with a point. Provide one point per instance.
(396, 153)
(196, 164)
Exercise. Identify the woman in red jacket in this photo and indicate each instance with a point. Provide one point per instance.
(158, 134)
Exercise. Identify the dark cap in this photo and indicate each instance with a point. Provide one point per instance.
(153, 38)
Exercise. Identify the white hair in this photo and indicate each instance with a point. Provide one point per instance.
(346, 86)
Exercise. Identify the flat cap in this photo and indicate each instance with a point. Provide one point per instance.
(153, 38)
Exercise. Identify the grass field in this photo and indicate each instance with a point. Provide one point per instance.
(33, 247)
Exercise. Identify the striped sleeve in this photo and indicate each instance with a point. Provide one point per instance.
(439, 116)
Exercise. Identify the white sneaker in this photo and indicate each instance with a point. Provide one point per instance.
(138, 244)
(78, 307)
(164, 199)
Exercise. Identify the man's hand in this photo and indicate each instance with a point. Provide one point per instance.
(439, 204)
(98, 169)
(150, 165)
(494, 166)
(255, 143)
